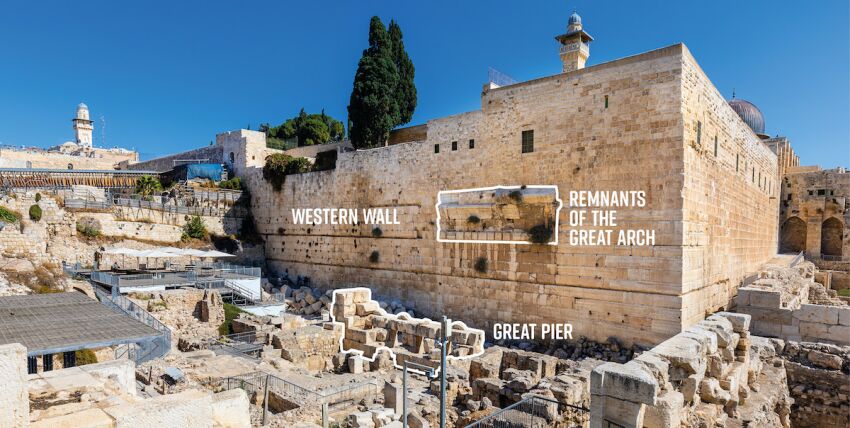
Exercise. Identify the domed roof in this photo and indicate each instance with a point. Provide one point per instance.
(749, 113)
(574, 19)
(82, 105)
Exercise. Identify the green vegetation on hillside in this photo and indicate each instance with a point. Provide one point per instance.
(230, 312)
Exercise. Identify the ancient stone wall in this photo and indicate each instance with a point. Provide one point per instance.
(819, 383)
(815, 213)
(712, 374)
(787, 303)
(209, 154)
(730, 192)
(642, 140)
(37, 158)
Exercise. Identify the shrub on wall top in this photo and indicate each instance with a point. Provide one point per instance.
(35, 213)
(279, 165)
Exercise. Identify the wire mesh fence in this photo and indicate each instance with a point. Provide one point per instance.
(534, 412)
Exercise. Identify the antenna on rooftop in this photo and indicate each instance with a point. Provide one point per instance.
(103, 131)
(498, 78)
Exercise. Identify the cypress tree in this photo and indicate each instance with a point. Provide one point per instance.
(373, 110)
(406, 89)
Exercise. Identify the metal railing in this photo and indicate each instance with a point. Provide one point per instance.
(532, 412)
(147, 350)
(797, 259)
(255, 382)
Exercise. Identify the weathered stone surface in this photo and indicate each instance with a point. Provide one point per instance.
(628, 381)
(14, 401)
(667, 413)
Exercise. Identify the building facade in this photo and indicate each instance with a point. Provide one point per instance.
(651, 122)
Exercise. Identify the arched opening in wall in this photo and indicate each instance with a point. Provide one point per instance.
(232, 158)
(792, 237)
(70, 166)
(831, 237)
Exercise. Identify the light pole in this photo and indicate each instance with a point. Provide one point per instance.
(429, 373)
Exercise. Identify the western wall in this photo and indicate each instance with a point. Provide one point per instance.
(629, 124)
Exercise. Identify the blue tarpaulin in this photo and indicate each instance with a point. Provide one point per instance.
(212, 171)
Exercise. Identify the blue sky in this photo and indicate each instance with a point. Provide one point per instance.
(167, 76)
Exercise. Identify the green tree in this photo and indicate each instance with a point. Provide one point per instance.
(372, 109)
(406, 90)
(309, 129)
(147, 185)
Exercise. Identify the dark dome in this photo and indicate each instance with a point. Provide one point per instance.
(749, 113)
(574, 19)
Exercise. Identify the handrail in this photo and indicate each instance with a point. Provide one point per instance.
(160, 346)
(796, 259)
(528, 408)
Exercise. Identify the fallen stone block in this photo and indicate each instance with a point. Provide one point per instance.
(628, 381)
(740, 322)
(667, 413)
(711, 392)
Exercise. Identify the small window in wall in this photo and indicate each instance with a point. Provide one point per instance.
(454, 145)
(811, 192)
(754, 174)
(737, 161)
(606, 101)
(232, 158)
(528, 141)
(471, 144)
(70, 166)
(699, 133)
(715, 146)
(821, 192)
(436, 148)
(29, 164)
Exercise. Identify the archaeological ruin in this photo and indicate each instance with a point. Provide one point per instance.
(616, 245)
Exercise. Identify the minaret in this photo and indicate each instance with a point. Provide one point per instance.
(575, 46)
(83, 126)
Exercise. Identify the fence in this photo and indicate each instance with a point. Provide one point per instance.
(797, 259)
(533, 412)
(256, 382)
(146, 350)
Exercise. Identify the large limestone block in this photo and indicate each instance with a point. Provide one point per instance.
(740, 322)
(122, 371)
(630, 381)
(14, 401)
(190, 408)
(818, 314)
(231, 409)
(667, 413)
(682, 352)
(89, 418)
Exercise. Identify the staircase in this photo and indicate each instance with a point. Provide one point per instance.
(143, 351)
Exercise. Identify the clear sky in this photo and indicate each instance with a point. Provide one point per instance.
(168, 76)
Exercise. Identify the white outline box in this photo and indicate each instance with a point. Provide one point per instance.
(482, 189)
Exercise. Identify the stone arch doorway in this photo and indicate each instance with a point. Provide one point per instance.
(831, 237)
(792, 237)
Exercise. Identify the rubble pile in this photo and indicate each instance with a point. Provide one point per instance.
(579, 349)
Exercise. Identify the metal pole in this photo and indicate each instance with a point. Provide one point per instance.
(266, 401)
(324, 415)
(429, 374)
(404, 393)
(443, 372)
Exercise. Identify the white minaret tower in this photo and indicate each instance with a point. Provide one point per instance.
(83, 127)
(575, 45)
